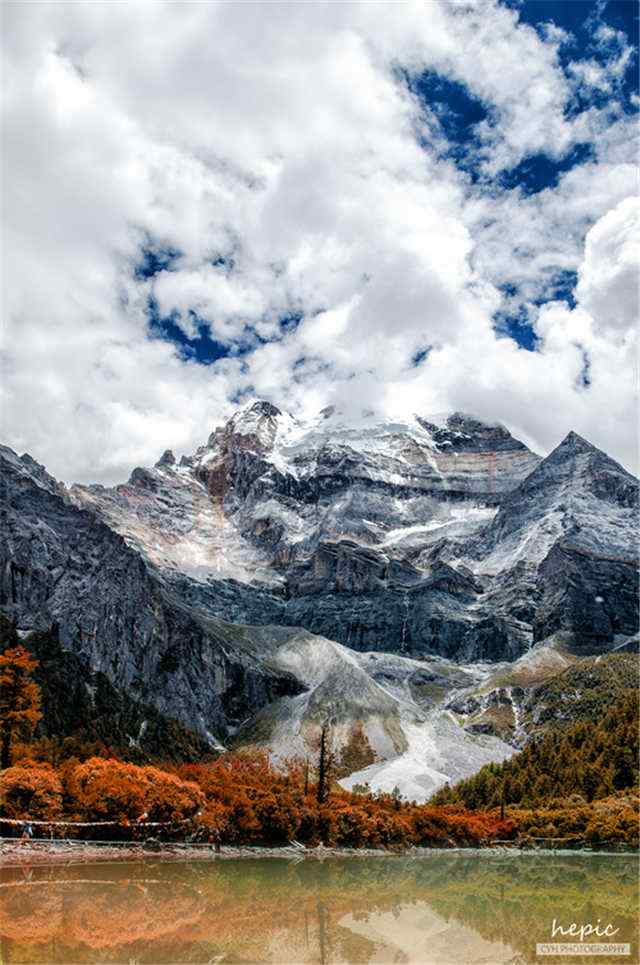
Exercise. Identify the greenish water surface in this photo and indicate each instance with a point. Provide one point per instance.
(438, 909)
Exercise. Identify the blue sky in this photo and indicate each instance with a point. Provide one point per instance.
(398, 207)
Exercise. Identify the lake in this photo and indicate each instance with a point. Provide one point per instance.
(439, 908)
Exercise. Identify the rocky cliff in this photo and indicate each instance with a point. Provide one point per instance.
(61, 565)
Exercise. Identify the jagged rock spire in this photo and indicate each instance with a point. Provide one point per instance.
(166, 459)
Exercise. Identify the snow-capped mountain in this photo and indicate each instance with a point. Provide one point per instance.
(431, 536)
(421, 558)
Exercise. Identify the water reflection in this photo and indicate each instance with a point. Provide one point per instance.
(439, 910)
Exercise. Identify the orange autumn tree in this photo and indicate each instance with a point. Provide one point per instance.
(30, 790)
(19, 698)
(113, 790)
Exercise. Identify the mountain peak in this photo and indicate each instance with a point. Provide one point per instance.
(166, 459)
(27, 467)
(573, 442)
(253, 425)
(462, 432)
(247, 417)
(574, 445)
(263, 407)
(255, 409)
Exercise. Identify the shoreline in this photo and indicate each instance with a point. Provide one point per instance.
(40, 854)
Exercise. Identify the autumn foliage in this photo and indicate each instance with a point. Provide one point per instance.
(33, 790)
(19, 698)
(243, 799)
(109, 789)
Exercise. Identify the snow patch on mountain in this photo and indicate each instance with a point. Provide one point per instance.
(439, 751)
(461, 518)
(531, 545)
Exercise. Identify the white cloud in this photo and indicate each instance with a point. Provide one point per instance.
(280, 137)
(608, 278)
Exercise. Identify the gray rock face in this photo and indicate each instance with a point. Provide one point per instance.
(85, 706)
(571, 523)
(435, 537)
(61, 564)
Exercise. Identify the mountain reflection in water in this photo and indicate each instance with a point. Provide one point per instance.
(438, 909)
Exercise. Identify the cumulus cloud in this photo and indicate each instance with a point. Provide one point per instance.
(278, 155)
(608, 278)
